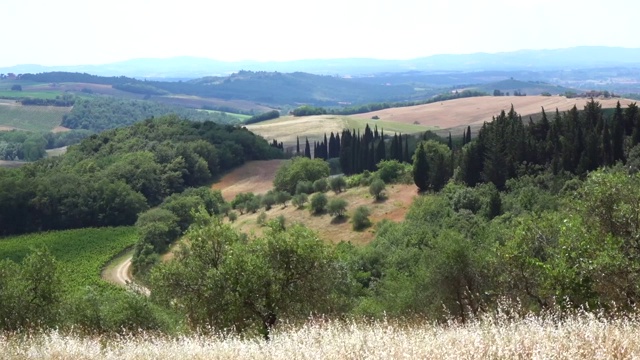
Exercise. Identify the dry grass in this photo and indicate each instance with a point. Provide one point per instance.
(578, 337)
(257, 177)
(459, 113)
(254, 176)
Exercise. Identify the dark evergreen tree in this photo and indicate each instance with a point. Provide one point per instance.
(405, 152)
(607, 150)
(381, 153)
(421, 168)
(617, 134)
(468, 134)
(450, 143)
(297, 145)
(307, 149)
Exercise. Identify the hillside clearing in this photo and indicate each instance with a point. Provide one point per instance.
(459, 113)
(253, 176)
(393, 208)
(257, 177)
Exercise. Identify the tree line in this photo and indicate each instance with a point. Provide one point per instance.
(109, 178)
(104, 113)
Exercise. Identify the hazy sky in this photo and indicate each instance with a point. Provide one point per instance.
(74, 32)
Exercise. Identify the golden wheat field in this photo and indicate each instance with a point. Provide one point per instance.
(577, 337)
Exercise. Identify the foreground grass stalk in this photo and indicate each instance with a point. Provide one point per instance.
(577, 337)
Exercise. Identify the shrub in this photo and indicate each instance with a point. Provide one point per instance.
(299, 200)
(320, 185)
(268, 200)
(361, 218)
(262, 218)
(233, 216)
(282, 197)
(337, 184)
(304, 187)
(337, 207)
(376, 189)
(390, 170)
(318, 203)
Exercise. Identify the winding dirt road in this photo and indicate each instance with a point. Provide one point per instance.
(119, 272)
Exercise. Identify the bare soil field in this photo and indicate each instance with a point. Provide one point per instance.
(254, 176)
(459, 113)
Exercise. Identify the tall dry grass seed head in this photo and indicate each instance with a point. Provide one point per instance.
(578, 336)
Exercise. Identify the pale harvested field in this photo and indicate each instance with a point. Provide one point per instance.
(286, 129)
(475, 111)
(59, 129)
(254, 176)
(11, 164)
(577, 337)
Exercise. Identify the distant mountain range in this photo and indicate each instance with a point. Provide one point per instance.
(181, 68)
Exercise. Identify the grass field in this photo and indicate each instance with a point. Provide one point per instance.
(285, 129)
(574, 337)
(81, 253)
(257, 177)
(240, 117)
(456, 115)
(31, 118)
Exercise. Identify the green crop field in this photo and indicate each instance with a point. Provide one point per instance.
(240, 117)
(389, 127)
(80, 253)
(31, 118)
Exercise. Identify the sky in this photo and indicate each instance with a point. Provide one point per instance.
(79, 32)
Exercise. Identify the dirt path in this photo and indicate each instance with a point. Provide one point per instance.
(118, 272)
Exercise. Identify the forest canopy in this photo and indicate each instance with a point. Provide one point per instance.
(109, 178)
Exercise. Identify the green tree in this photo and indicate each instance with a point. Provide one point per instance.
(284, 274)
(318, 203)
(337, 184)
(360, 218)
(421, 168)
(337, 207)
(299, 200)
(376, 189)
(320, 185)
(299, 169)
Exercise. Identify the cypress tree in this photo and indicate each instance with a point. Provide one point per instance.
(307, 149)
(297, 145)
(399, 149)
(380, 151)
(617, 138)
(607, 151)
(421, 168)
(468, 134)
(405, 154)
(450, 144)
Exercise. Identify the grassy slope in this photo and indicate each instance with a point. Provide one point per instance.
(80, 253)
(287, 128)
(394, 208)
